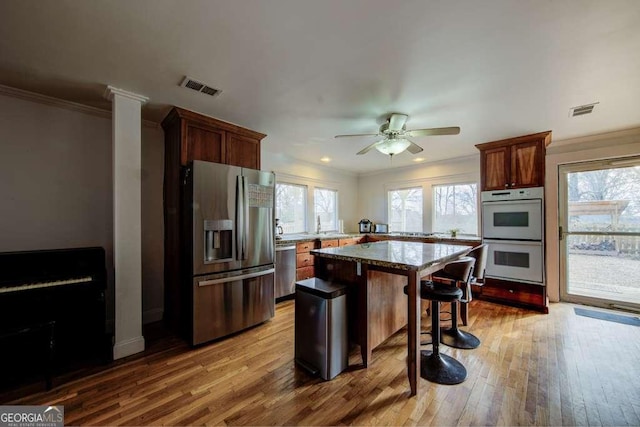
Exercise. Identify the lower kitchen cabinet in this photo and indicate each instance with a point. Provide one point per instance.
(351, 241)
(515, 293)
(304, 260)
(334, 243)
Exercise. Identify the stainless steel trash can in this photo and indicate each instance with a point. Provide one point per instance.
(321, 341)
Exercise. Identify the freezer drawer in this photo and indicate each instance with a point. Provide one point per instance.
(224, 304)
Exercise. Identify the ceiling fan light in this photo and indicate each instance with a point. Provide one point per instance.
(393, 146)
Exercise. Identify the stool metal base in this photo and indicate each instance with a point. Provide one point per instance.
(454, 337)
(441, 369)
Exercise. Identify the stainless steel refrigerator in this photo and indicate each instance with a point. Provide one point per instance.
(233, 247)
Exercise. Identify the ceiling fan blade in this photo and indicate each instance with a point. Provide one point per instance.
(397, 121)
(369, 147)
(356, 134)
(434, 131)
(414, 148)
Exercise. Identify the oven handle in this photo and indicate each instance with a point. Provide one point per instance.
(512, 202)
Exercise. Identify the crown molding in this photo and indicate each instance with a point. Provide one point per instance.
(111, 91)
(62, 103)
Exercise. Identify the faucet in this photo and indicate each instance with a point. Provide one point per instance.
(318, 228)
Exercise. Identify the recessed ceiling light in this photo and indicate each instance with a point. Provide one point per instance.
(418, 159)
(325, 159)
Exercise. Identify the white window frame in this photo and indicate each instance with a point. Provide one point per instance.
(311, 184)
(422, 213)
(304, 204)
(433, 205)
(335, 214)
(427, 184)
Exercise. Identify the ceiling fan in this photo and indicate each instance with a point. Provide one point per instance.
(395, 136)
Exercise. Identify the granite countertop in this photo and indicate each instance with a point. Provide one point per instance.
(410, 237)
(401, 255)
(435, 236)
(299, 238)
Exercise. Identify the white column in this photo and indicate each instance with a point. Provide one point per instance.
(127, 227)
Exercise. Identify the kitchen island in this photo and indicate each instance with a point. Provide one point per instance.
(377, 273)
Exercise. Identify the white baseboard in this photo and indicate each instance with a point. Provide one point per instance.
(128, 347)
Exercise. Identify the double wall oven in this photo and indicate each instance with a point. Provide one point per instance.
(513, 226)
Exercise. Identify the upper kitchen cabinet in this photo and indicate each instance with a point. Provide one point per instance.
(514, 162)
(191, 136)
(243, 151)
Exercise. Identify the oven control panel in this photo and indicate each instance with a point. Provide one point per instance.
(519, 194)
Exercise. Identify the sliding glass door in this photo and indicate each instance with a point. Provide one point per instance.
(600, 233)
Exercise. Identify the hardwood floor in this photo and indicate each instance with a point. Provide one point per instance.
(531, 369)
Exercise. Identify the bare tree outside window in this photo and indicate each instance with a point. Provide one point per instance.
(291, 207)
(455, 207)
(326, 207)
(604, 199)
(405, 209)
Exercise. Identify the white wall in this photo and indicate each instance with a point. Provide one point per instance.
(373, 187)
(297, 172)
(56, 185)
(595, 147)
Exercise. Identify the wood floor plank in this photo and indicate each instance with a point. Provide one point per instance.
(530, 369)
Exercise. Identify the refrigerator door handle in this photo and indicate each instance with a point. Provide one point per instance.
(239, 217)
(245, 216)
(234, 278)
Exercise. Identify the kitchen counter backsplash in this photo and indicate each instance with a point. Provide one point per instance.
(303, 237)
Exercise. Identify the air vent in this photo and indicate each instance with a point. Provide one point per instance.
(582, 110)
(190, 83)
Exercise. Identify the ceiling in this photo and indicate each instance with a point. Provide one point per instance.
(302, 71)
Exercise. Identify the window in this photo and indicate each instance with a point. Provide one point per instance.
(455, 207)
(325, 207)
(405, 209)
(291, 207)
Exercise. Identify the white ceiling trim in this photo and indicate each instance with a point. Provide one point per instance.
(62, 103)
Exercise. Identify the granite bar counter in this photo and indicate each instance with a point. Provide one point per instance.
(376, 274)
(403, 255)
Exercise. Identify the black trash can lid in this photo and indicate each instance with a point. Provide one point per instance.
(321, 288)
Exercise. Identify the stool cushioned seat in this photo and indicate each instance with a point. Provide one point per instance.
(437, 291)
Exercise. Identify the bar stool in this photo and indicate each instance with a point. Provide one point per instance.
(458, 272)
(434, 366)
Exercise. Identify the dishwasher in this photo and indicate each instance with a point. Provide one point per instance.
(285, 271)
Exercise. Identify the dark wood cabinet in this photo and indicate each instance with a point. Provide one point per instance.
(191, 136)
(199, 137)
(515, 293)
(203, 144)
(513, 163)
(243, 151)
